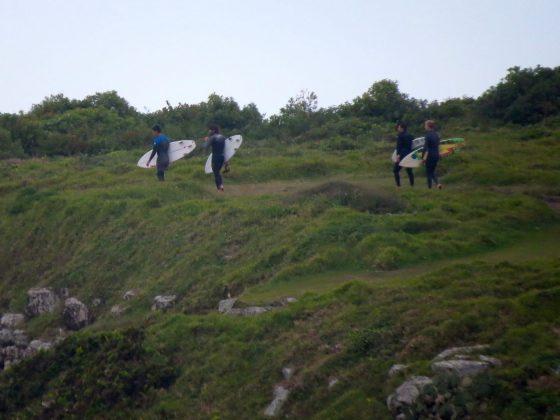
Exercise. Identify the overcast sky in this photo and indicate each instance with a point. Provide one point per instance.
(266, 51)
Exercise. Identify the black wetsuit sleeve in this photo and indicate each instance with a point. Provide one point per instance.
(153, 153)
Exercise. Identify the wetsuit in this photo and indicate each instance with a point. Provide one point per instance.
(161, 147)
(431, 146)
(404, 147)
(218, 143)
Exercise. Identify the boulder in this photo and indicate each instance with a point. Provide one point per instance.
(40, 300)
(96, 302)
(38, 345)
(461, 368)
(164, 302)
(12, 320)
(20, 339)
(280, 396)
(461, 351)
(75, 314)
(6, 337)
(396, 369)
(12, 355)
(332, 382)
(226, 305)
(117, 310)
(129, 294)
(407, 394)
(250, 311)
(288, 372)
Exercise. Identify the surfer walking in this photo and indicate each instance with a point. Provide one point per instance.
(404, 147)
(217, 142)
(431, 147)
(161, 148)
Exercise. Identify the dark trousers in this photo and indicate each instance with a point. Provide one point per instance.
(431, 171)
(217, 163)
(397, 169)
(161, 166)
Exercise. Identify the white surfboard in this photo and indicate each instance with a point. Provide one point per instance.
(232, 144)
(417, 142)
(177, 150)
(446, 148)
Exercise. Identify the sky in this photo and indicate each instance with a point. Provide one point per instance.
(266, 51)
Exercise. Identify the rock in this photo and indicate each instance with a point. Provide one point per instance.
(75, 314)
(20, 339)
(40, 301)
(288, 299)
(288, 372)
(12, 355)
(280, 396)
(226, 305)
(332, 382)
(407, 393)
(490, 360)
(250, 311)
(12, 320)
(460, 350)
(96, 303)
(38, 345)
(117, 310)
(462, 368)
(164, 302)
(129, 294)
(396, 369)
(6, 337)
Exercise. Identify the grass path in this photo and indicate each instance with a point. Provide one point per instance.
(541, 244)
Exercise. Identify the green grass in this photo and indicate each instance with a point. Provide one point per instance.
(383, 275)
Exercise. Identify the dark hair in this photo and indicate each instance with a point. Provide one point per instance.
(431, 124)
(157, 128)
(402, 125)
(214, 127)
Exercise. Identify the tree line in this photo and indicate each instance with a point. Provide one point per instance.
(105, 121)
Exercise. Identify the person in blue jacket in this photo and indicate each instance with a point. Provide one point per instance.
(161, 148)
(431, 147)
(404, 147)
(217, 142)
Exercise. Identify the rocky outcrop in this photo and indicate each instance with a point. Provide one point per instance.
(446, 354)
(226, 306)
(406, 395)
(12, 320)
(40, 300)
(129, 294)
(75, 314)
(6, 337)
(117, 310)
(164, 302)
(397, 369)
(280, 396)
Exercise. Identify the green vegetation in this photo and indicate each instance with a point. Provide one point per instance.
(382, 275)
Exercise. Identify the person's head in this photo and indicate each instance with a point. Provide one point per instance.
(429, 125)
(401, 127)
(213, 129)
(156, 128)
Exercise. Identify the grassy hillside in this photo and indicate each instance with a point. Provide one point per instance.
(383, 275)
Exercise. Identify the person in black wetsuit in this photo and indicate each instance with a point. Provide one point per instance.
(161, 147)
(431, 146)
(217, 142)
(404, 147)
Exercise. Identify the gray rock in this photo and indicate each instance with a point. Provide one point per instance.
(20, 339)
(96, 302)
(280, 396)
(250, 311)
(6, 337)
(38, 345)
(12, 320)
(117, 310)
(75, 314)
(490, 360)
(396, 369)
(288, 299)
(288, 372)
(129, 294)
(462, 368)
(460, 350)
(39, 301)
(164, 302)
(12, 355)
(407, 393)
(226, 305)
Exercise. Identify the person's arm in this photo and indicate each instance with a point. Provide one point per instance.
(152, 155)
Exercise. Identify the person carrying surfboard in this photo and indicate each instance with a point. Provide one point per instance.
(217, 142)
(404, 147)
(431, 147)
(161, 147)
